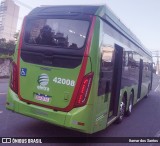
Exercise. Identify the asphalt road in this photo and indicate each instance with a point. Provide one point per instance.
(144, 121)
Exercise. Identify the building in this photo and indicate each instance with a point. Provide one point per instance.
(9, 12)
(156, 59)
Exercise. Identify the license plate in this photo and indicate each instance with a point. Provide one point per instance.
(41, 97)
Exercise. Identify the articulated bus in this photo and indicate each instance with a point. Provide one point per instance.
(77, 67)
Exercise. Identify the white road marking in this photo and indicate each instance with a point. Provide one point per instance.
(3, 93)
(1, 112)
(156, 135)
(156, 88)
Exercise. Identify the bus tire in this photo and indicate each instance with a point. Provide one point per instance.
(122, 110)
(148, 91)
(130, 106)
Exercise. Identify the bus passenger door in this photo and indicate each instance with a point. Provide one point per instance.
(110, 80)
(140, 79)
(116, 82)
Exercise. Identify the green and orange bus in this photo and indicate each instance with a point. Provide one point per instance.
(78, 67)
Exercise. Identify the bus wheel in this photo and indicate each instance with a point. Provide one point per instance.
(130, 106)
(122, 111)
(148, 91)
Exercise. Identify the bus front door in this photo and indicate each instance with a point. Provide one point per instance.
(116, 82)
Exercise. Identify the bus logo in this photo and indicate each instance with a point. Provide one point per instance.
(43, 81)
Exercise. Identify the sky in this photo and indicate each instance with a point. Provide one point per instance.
(142, 17)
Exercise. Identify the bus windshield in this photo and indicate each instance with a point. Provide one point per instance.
(57, 32)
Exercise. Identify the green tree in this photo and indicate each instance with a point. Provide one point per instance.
(10, 46)
(2, 43)
(16, 35)
(7, 47)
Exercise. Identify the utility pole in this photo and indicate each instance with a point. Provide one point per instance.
(157, 55)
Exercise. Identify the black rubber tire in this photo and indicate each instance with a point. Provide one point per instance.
(148, 91)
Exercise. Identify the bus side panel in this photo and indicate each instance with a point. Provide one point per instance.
(146, 77)
(100, 108)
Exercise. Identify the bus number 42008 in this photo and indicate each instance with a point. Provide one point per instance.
(63, 81)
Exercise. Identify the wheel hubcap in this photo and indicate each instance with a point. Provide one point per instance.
(130, 106)
(122, 109)
(130, 103)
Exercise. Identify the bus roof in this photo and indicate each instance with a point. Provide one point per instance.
(72, 9)
(107, 14)
(99, 10)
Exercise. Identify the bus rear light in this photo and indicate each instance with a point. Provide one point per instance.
(84, 90)
(14, 78)
(81, 123)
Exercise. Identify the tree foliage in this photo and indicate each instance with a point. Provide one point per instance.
(7, 47)
(16, 35)
(2, 43)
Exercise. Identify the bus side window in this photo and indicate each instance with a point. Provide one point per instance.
(106, 69)
(107, 57)
(125, 58)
